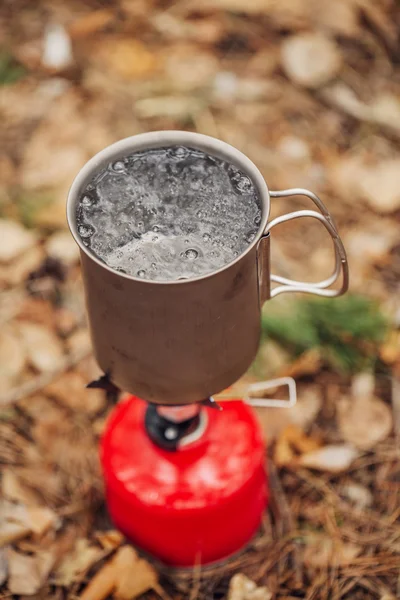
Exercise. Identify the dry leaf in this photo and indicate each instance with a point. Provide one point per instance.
(102, 584)
(11, 532)
(310, 59)
(109, 539)
(12, 358)
(126, 58)
(43, 347)
(41, 519)
(79, 342)
(62, 246)
(25, 264)
(3, 566)
(364, 421)
(126, 574)
(358, 495)
(243, 588)
(390, 349)
(76, 563)
(379, 186)
(308, 363)
(291, 442)
(322, 552)
(331, 458)
(187, 69)
(135, 576)
(70, 390)
(14, 240)
(91, 23)
(27, 574)
(14, 489)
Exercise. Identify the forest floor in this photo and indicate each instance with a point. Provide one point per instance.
(310, 91)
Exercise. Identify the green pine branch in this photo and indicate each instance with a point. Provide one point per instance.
(347, 330)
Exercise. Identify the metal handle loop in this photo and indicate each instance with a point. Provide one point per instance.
(290, 285)
(264, 386)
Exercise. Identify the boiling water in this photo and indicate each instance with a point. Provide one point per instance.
(170, 213)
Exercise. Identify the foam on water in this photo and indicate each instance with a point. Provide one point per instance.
(167, 214)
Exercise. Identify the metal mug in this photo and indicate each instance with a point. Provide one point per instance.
(179, 342)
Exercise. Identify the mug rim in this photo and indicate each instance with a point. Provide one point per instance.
(159, 139)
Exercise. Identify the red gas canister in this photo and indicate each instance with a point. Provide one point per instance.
(198, 504)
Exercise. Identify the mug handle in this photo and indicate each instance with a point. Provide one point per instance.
(341, 266)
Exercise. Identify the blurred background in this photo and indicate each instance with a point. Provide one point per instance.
(310, 91)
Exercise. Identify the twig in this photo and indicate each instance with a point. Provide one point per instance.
(34, 385)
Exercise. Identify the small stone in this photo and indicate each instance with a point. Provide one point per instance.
(310, 59)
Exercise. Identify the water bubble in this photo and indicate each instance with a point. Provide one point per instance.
(118, 166)
(120, 270)
(250, 237)
(183, 277)
(212, 253)
(141, 273)
(153, 265)
(191, 253)
(85, 231)
(177, 152)
(86, 201)
(154, 238)
(199, 214)
(236, 253)
(186, 241)
(257, 219)
(244, 185)
(206, 237)
(156, 228)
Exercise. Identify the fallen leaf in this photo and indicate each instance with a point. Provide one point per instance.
(77, 562)
(70, 390)
(331, 458)
(364, 421)
(379, 186)
(12, 358)
(41, 519)
(126, 58)
(299, 440)
(308, 363)
(390, 349)
(27, 574)
(283, 452)
(14, 489)
(358, 494)
(3, 566)
(62, 246)
(127, 575)
(109, 539)
(384, 110)
(187, 68)
(310, 59)
(102, 584)
(91, 23)
(135, 576)
(321, 552)
(243, 588)
(291, 442)
(11, 532)
(21, 267)
(79, 342)
(14, 240)
(43, 347)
